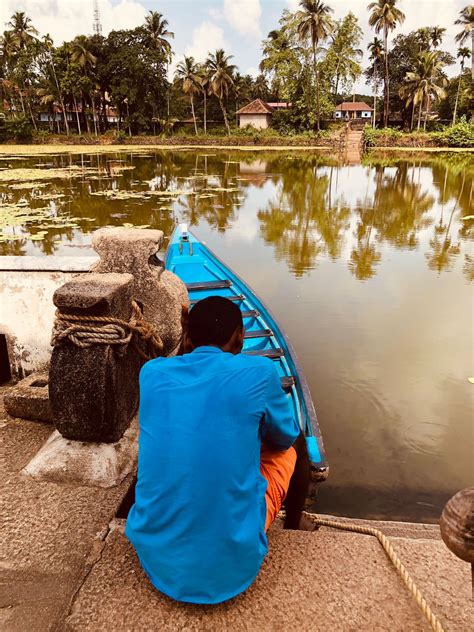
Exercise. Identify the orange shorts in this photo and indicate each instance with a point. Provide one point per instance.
(277, 466)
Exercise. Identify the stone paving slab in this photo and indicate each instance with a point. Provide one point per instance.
(319, 581)
(50, 533)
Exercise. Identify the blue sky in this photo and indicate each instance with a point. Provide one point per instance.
(238, 26)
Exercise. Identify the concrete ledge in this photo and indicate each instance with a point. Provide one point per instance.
(327, 580)
(61, 460)
(46, 264)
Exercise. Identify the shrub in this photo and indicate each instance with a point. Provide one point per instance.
(379, 137)
(19, 130)
(459, 135)
(120, 137)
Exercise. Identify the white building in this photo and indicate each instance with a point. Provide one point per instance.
(354, 110)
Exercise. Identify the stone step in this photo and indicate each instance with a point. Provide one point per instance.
(325, 580)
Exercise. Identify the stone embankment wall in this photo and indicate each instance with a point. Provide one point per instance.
(27, 285)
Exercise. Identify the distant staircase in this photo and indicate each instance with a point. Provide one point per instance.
(353, 148)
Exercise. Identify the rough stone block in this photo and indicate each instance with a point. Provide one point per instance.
(96, 295)
(159, 291)
(93, 464)
(29, 399)
(94, 390)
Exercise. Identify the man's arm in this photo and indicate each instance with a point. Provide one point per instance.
(279, 429)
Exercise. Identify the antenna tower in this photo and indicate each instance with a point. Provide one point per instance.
(97, 25)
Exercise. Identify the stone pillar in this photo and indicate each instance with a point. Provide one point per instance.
(94, 391)
(159, 291)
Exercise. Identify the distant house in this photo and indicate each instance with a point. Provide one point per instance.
(353, 110)
(55, 114)
(256, 114)
(259, 113)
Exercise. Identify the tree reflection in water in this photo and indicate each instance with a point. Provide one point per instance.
(306, 206)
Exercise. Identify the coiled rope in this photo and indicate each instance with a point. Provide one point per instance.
(393, 557)
(85, 331)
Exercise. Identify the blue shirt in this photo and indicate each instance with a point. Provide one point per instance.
(198, 520)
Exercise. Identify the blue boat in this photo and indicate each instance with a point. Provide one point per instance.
(205, 275)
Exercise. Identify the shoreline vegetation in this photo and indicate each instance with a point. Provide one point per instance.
(457, 138)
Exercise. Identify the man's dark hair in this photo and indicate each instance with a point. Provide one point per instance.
(213, 320)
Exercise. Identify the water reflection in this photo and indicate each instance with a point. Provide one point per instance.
(307, 207)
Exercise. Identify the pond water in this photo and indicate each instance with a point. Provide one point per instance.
(368, 267)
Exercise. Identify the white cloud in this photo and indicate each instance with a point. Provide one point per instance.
(64, 19)
(216, 14)
(244, 16)
(207, 37)
(253, 71)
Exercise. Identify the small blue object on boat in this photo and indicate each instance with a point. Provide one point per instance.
(205, 275)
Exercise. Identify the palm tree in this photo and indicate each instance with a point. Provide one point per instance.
(220, 78)
(156, 29)
(375, 49)
(83, 57)
(23, 34)
(202, 78)
(48, 45)
(466, 20)
(187, 74)
(157, 34)
(346, 53)
(313, 22)
(463, 53)
(8, 49)
(279, 54)
(425, 83)
(81, 54)
(384, 17)
(436, 35)
(23, 31)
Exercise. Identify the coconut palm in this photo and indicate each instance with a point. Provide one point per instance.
(425, 83)
(466, 20)
(436, 35)
(7, 57)
(463, 54)
(23, 31)
(157, 36)
(81, 54)
(203, 82)
(48, 47)
(220, 78)
(156, 29)
(375, 49)
(313, 23)
(279, 60)
(83, 57)
(424, 37)
(385, 16)
(187, 74)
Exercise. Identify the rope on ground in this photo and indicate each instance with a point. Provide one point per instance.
(393, 557)
(85, 331)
